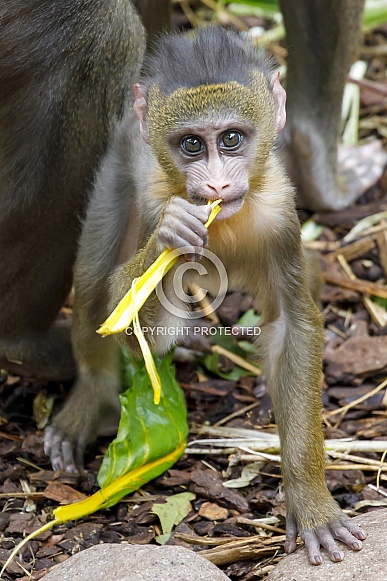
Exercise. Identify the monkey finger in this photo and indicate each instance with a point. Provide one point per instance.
(202, 213)
(60, 450)
(55, 449)
(191, 237)
(353, 528)
(68, 458)
(342, 533)
(80, 450)
(173, 219)
(47, 442)
(195, 256)
(180, 238)
(312, 545)
(325, 538)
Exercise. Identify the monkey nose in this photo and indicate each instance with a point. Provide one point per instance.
(218, 186)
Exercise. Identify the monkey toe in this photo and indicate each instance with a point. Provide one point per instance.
(291, 534)
(341, 529)
(353, 528)
(61, 451)
(319, 186)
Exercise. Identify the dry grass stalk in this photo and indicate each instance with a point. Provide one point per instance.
(353, 250)
(378, 314)
(237, 360)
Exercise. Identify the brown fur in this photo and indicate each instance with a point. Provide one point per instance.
(259, 246)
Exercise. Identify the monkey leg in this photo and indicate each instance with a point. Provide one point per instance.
(323, 184)
(323, 37)
(292, 347)
(109, 236)
(155, 16)
(47, 356)
(92, 407)
(36, 275)
(59, 94)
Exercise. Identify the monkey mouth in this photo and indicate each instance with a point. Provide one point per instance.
(227, 208)
(230, 207)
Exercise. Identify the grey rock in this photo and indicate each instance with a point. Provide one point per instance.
(369, 564)
(135, 563)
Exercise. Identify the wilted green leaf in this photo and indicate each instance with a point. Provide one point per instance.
(172, 512)
(42, 408)
(249, 472)
(147, 432)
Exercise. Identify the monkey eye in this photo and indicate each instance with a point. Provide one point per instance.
(192, 144)
(231, 139)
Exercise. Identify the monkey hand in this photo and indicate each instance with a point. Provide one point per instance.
(182, 226)
(331, 525)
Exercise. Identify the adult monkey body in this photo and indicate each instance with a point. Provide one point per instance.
(323, 38)
(208, 111)
(66, 69)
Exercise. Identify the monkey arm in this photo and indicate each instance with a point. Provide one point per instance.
(182, 226)
(292, 340)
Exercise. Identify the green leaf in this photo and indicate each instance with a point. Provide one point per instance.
(375, 14)
(172, 512)
(249, 347)
(227, 341)
(249, 472)
(147, 432)
(311, 231)
(211, 363)
(380, 301)
(264, 8)
(163, 539)
(249, 319)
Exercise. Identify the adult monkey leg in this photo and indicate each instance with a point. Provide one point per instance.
(323, 38)
(155, 16)
(93, 406)
(65, 70)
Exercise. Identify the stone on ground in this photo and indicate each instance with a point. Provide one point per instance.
(135, 563)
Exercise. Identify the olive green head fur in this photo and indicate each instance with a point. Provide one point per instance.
(167, 113)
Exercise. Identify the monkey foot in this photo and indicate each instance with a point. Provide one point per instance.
(339, 528)
(319, 188)
(82, 419)
(360, 167)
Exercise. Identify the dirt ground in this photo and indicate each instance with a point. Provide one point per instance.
(219, 521)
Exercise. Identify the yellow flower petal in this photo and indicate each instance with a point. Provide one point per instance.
(146, 352)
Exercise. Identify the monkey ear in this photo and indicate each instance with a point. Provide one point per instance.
(141, 108)
(280, 100)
